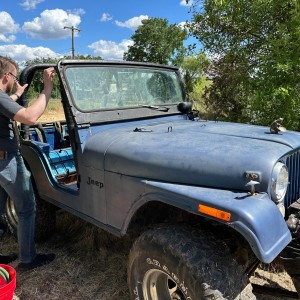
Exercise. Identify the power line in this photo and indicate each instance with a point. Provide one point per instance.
(73, 29)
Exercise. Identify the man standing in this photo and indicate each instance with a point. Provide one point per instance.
(14, 177)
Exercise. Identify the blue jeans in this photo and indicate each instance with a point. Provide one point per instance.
(15, 182)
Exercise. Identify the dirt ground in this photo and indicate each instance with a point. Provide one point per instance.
(90, 264)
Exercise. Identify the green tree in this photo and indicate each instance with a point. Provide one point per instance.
(36, 85)
(256, 63)
(158, 42)
(193, 68)
(85, 57)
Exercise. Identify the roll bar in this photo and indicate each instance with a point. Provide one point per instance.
(26, 76)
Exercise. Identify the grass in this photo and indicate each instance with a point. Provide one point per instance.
(53, 112)
(91, 264)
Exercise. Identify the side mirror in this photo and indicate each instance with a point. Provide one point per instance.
(185, 107)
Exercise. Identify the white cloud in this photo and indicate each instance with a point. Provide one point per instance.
(30, 4)
(110, 50)
(7, 39)
(182, 25)
(76, 11)
(51, 23)
(183, 3)
(7, 24)
(22, 53)
(106, 17)
(132, 23)
(7, 27)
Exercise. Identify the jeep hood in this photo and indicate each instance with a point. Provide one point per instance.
(192, 153)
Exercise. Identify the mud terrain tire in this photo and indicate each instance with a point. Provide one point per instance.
(184, 263)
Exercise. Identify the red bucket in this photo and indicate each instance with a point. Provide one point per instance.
(7, 291)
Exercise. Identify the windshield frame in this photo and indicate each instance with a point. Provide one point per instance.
(170, 92)
(115, 114)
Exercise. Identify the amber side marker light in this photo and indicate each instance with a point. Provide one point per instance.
(216, 213)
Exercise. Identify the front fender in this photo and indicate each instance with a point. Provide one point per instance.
(256, 217)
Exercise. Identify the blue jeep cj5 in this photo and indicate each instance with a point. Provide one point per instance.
(211, 199)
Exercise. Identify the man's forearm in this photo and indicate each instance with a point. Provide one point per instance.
(37, 108)
(31, 114)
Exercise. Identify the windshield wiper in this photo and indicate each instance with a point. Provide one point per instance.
(160, 108)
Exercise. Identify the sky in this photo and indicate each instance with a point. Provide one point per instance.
(32, 29)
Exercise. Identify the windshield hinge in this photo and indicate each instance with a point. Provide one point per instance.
(141, 130)
(84, 125)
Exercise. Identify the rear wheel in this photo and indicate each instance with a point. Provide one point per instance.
(184, 263)
(44, 222)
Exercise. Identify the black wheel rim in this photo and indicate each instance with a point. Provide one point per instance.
(11, 213)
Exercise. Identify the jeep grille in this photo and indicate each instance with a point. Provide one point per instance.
(293, 191)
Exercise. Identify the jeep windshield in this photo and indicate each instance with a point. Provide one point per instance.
(110, 87)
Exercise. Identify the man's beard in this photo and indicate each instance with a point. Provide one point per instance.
(9, 88)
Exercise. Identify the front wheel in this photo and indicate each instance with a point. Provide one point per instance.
(184, 263)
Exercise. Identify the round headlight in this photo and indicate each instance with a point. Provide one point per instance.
(280, 181)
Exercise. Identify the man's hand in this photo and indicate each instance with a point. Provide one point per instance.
(48, 76)
(19, 91)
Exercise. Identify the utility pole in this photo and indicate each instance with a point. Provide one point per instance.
(73, 29)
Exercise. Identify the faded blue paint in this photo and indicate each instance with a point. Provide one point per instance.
(256, 217)
(215, 155)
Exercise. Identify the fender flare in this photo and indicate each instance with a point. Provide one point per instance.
(255, 217)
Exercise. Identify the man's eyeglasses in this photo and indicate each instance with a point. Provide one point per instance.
(16, 79)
